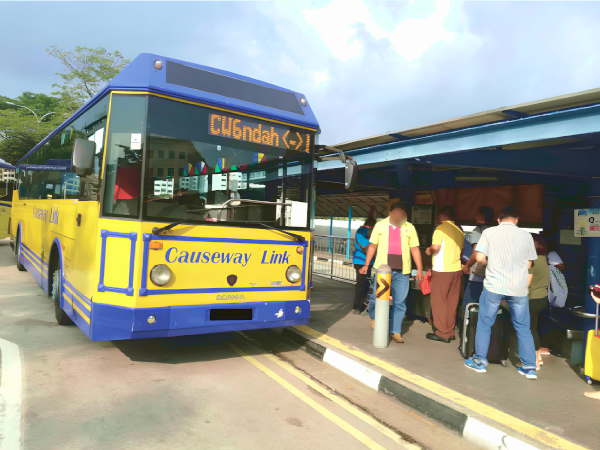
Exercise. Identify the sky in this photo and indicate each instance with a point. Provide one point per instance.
(367, 67)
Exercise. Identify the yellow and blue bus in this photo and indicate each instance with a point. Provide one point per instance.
(6, 185)
(179, 200)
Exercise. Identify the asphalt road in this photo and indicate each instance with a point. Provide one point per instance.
(225, 391)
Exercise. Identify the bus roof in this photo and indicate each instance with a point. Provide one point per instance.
(206, 85)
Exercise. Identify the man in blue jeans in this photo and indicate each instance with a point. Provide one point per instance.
(508, 252)
(394, 242)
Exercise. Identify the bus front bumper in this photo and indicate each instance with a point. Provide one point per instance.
(110, 322)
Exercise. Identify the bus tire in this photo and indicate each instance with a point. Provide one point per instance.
(18, 251)
(61, 316)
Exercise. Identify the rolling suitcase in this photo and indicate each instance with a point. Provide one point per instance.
(498, 350)
(591, 369)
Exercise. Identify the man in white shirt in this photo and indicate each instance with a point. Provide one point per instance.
(508, 252)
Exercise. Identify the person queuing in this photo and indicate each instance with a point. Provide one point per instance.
(446, 275)
(539, 278)
(394, 241)
(508, 252)
(476, 272)
(361, 243)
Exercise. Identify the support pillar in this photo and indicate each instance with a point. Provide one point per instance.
(349, 234)
(592, 246)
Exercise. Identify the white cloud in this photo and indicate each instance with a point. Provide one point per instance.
(320, 77)
(337, 25)
(411, 29)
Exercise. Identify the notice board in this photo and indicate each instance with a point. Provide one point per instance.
(587, 222)
(528, 199)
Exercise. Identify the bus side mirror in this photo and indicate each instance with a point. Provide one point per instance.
(350, 175)
(83, 156)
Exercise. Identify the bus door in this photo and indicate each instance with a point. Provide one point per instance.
(83, 229)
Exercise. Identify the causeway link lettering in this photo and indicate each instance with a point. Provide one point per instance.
(175, 255)
(46, 215)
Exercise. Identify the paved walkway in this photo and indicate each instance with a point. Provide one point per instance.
(555, 402)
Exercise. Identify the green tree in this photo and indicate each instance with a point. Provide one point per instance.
(22, 128)
(87, 69)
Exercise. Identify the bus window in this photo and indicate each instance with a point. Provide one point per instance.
(124, 156)
(194, 175)
(47, 173)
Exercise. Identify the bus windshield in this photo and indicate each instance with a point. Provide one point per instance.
(203, 165)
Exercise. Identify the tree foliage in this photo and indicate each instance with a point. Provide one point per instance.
(87, 70)
(20, 129)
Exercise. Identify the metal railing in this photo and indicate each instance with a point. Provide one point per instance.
(332, 257)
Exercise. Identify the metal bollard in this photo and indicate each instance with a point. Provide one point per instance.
(383, 280)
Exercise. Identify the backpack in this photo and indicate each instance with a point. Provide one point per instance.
(557, 288)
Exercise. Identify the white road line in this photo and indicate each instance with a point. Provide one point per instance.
(11, 390)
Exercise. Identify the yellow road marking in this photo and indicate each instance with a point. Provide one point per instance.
(527, 429)
(359, 435)
(340, 401)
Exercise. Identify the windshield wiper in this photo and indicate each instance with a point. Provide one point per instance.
(297, 237)
(157, 230)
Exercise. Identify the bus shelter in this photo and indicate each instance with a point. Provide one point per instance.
(542, 157)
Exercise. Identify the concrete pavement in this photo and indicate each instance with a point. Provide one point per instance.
(552, 407)
(220, 391)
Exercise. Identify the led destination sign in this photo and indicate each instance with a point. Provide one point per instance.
(256, 132)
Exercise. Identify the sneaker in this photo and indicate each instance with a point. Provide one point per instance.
(476, 365)
(530, 374)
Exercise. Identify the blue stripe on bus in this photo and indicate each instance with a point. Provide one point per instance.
(216, 290)
(154, 237)
(160, 237)
(30, 260)
(84, 309)
(33, 269)
(79, 319)
(8, 205)
(34, 258)
(80, 296)
(30, 251)
(35, 255)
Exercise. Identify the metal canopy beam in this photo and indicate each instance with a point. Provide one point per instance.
(556, 162)
(552, 125)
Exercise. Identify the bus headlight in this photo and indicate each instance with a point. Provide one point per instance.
(160, 274)
(293, 274)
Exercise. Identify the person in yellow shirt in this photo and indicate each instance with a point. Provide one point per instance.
(395, 242)
(446, 275)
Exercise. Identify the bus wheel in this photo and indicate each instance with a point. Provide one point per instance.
(18, 252)
(61, 317)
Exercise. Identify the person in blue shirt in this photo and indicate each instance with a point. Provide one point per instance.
(362, 288)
